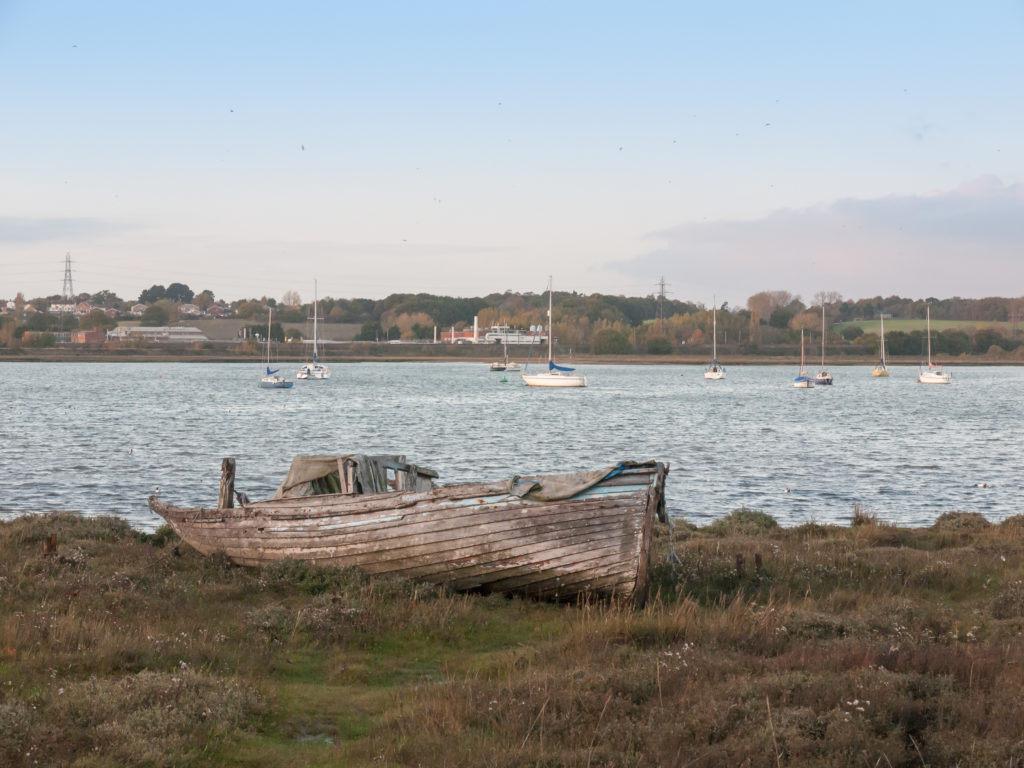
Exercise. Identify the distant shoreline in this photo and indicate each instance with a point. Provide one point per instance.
(54, 355)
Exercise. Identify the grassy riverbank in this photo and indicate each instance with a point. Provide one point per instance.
(762, 646)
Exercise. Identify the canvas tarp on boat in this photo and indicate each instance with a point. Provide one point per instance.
(316, 475)
(569, 484)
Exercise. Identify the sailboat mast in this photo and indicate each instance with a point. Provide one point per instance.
(550, 329)
(714, 328)
(270, 314)
(928, 330)
(823, 335)
(314, 322)
(882, 320)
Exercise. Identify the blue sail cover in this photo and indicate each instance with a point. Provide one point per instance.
(553, 367)
(270, 372)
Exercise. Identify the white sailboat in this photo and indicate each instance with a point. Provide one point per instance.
(272, 380)
(803, 379)
(315, 369)
(714, 372)
(555, 375)
(880, 370)
(933, 374)
(823, 377)
(506, 364)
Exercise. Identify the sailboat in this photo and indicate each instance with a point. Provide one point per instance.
(880, 369)
(315, 369)
(506, 364)
(555, 375)
(933, 374)
(823, 377)
(714, 372)
(803, 380)
(272, 380)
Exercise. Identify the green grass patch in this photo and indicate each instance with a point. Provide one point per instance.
(914, 324)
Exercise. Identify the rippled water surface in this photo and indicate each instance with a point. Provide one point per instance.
(99, 438)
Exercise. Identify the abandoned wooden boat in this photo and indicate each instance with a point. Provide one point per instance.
(550, 536)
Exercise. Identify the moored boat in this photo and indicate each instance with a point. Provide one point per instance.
(880, 370)
(933, 374)
(556, 375)
(314, 370)
(823, 377)
(272, 380)
(803, 379)
(715, 371)
(555, 537)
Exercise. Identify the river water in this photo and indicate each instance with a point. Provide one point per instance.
(99, 438)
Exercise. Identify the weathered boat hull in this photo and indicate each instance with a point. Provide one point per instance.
(477, 536)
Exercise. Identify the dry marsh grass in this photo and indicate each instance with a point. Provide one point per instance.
(761, 646)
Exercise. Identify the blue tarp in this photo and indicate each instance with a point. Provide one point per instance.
(553, 367)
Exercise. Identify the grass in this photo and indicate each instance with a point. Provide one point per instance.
(761, 645)
(918, 324)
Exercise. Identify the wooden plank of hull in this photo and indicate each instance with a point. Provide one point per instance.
(563, 561)
(473, 536)
(424, 532)
(488, 535)
(336, 504)
(456, 550)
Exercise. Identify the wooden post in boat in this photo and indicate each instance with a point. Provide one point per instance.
(225, 498)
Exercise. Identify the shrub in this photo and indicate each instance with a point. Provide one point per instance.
(960, 521)
(608, 341)
(743, 521)
(658, 345)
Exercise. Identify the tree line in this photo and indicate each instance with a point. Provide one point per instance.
(599, 323)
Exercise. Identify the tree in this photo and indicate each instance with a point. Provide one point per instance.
(105, 299)
(807, 321)
(204, 299)
(608, 341)
(249, 308)
(658, 345)
(152, 294)
(96, 319)
(780, 318)
(851, 332)
(291, 299)
(988, 337)
(155, 315)
(369, 332)
(953, 342)
(420, 331)
(179, 293)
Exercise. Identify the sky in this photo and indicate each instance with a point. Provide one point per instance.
(466, 148)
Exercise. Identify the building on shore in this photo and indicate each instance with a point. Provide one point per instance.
(159, 334)
(496, 334)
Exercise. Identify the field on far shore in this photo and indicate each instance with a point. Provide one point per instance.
(914, 324)
(864, 644)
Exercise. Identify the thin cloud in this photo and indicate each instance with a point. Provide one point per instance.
(963, 242)
(15, 229)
